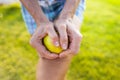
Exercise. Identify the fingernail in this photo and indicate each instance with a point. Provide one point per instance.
(64, 46)
(56, 44)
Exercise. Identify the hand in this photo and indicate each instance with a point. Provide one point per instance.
(75, 37)
(61, 27)
(36, 40)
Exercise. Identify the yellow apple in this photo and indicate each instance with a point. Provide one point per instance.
(50, 46)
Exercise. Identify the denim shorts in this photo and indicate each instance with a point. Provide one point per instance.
(51, 13)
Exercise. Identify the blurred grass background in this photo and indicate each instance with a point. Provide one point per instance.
(99, 56)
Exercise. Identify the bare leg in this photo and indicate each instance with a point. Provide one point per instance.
(54, 69)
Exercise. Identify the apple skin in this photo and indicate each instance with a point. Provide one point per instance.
(50, 46)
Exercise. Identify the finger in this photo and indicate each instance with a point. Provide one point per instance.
(44, 53)
(42, 50)
(38, 35)
(75, 38)
(63, 36)
(75, 45)
(53, 35)
(65, 53)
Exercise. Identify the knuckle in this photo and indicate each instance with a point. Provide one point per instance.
(54, 37)
(32, 42)
(62, 27)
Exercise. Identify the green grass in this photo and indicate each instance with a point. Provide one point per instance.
(99, 56)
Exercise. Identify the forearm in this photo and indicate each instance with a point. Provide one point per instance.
(69, 9)
(35, 10)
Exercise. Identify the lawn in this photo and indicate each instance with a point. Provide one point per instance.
(99, 56)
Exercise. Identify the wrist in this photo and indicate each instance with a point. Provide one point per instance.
(46, 23)
(62, 19)
(69, 9)
(65, 16)
(43, 21)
